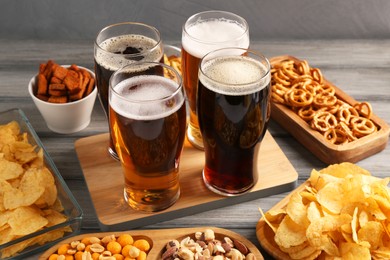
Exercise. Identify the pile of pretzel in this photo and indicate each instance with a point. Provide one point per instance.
(303, 89)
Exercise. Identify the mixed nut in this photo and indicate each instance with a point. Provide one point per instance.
(205, 246)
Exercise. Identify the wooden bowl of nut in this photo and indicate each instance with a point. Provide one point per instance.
(327, 121)
(156, 244)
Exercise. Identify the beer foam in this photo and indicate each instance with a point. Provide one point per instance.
(111, 61)
(212, 35)
(234, 75)
(135, 94)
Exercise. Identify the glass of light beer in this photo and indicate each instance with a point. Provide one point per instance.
(202, 33)
(148, 122)
(119, 45)
(233, 109)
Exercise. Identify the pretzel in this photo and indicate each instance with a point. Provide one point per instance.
(324, 99)
(345, 113)
(278, 92)
(317, 75)
(323, 121)
(298, 97)
(344, 128)
(307, 113)
(364, 109)
(362, 126)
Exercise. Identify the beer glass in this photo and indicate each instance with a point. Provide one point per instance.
(122, 44)
(233, 109)
(148, 123)
(202, 33)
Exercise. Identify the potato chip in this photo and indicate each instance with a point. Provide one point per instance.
(26, 220)
(308, 252)
(342, 170)
(354, 251)
(331, 197)
(372, 232)
(10, 170)
(313, 212)
(297, 210)
(289, 233)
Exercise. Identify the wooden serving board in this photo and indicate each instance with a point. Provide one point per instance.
(159, 238)
(104, 179)
(265, 235)
(317, 144)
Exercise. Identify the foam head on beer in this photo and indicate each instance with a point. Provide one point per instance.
(146, 97)
(234, 75)
(204, 36)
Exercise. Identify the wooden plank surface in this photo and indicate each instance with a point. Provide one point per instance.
(104, 179)
(359, 67)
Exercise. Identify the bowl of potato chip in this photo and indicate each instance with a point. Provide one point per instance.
(340, 212)
(64, 95)
(37, 208)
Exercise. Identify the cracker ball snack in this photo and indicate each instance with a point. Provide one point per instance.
(110, 247)
(57, 84)
(342, 213)
(302, 88)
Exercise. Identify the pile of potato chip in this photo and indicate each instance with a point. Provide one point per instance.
(28, 194)
(343, 213)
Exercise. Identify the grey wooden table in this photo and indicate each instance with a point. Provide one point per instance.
(361, 68)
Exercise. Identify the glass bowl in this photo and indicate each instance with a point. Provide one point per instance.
(71, 208)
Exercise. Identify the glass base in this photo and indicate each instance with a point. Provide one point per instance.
(224, 192)
(113, 154)
(148, 207)
(195, 137)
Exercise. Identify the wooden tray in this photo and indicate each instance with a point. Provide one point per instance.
(265, 235)
(104, 179)
(317, 144)
(159, 238)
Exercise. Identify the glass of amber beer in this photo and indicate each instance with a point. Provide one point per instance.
(202, 33)
(148, 123)
(122, 44)
(233, 109)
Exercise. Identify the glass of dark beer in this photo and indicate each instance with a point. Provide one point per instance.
(202, 33)
(148, 123)
(119, 45)
(233, 109)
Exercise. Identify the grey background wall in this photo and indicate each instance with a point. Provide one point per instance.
(268, 19)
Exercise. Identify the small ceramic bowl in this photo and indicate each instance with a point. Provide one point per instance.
(68, 117)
